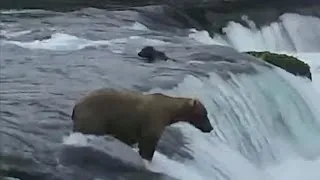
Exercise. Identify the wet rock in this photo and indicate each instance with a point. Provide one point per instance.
(286, 62)
(104, 152)
(80, 157)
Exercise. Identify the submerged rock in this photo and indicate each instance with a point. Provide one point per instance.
(95, 152)
(103, 157)
(288, 63)
(79, 157)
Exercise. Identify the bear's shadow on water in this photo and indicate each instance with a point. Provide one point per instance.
(173, 145)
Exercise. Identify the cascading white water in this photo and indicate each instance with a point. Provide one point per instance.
(292, 32)
(273, 121)
(260, 121)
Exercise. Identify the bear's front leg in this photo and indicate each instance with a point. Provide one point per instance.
(147, 146)
(150, 133)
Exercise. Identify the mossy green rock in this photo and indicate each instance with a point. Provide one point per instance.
(288, 63)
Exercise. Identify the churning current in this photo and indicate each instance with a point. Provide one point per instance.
(266, 121)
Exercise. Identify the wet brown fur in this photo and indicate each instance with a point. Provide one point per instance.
(132, 117)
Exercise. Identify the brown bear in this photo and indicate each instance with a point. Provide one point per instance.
(151, 55)
(134, 117)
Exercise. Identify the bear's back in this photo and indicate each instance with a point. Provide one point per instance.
(111, 100)
(125, 103)
(106, 111)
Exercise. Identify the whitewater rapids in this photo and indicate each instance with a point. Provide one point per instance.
(266, 120)
(294, 35)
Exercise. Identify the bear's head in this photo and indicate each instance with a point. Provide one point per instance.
(196, 114)
(147, 52)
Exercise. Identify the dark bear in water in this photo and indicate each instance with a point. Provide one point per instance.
(133, 117)
(151, 55)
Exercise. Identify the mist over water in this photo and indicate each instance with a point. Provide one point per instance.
(266, 124)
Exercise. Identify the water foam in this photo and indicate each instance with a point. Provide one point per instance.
(66, 42)
(59, 42)
(204, 37)
(77, 139)
(13, 11)
(139, 27)
(10, 34)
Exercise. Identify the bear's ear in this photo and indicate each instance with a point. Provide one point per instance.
(192, 102)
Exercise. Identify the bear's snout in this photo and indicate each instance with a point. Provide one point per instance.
(203, 125)
(206, 126)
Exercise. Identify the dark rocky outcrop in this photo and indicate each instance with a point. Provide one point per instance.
(288, 63)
